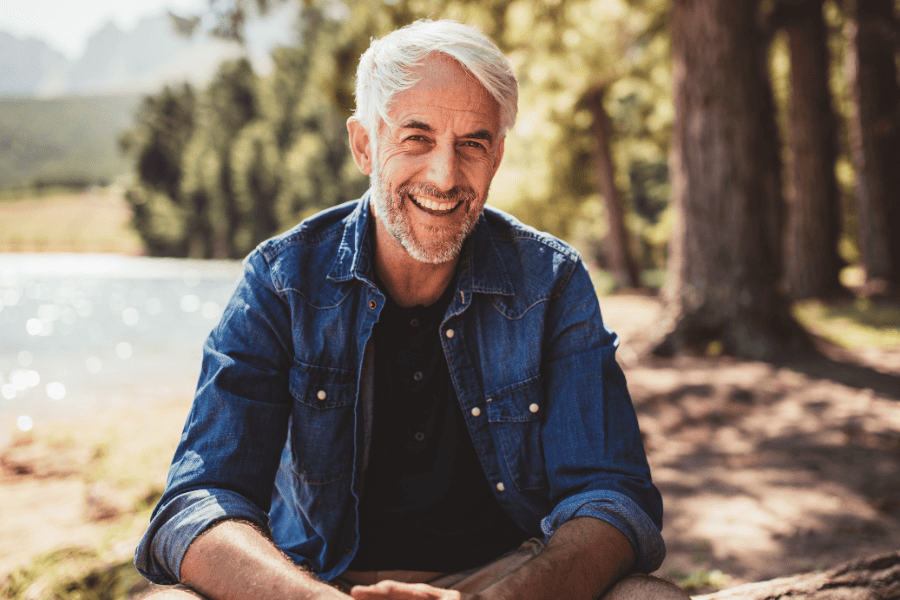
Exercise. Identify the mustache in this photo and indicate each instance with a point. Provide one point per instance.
(463, 193)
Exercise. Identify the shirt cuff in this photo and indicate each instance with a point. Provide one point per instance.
(621, 512)
(179, 521)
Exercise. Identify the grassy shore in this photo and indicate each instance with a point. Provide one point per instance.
(59, 220)
(76, 497)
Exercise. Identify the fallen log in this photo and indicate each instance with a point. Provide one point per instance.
(873, 578)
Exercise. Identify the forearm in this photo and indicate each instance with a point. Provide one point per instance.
(582, 560)
(232, 560)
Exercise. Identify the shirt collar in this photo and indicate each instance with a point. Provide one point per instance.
(481, 267)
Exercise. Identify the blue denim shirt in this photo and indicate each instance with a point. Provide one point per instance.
(279, 430)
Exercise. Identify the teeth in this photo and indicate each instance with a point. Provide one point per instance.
(432, 205)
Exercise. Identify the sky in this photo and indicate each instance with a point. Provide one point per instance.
(66, 24)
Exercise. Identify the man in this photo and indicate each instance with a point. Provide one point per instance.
(412, 396)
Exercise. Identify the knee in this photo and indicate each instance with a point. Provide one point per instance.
(645, 587)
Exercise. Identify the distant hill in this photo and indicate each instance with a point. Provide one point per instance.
(30, 67)
(61, 119)
(139, 60)
(63, 139)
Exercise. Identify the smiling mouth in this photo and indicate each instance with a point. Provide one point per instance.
(434, 207)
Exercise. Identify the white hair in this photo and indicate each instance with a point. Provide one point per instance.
(385, 69)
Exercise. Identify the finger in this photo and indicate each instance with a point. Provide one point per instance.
(395, 590)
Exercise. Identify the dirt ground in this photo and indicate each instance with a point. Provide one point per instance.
(765, 470)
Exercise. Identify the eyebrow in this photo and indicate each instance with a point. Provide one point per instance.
(480, 134)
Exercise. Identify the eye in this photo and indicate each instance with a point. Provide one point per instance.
(473, 144)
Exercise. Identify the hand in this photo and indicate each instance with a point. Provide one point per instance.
(395, 590)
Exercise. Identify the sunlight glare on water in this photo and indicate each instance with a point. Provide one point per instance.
(34, 326)
(130, 316)
(34, 291)
(11, 297)
(190, 303)
(153, 306)
(71, 324)
(123, 350)
(25, 423)
(84, 308)
(94, 365)
(211, 310)
(56, 391)
(191, 277)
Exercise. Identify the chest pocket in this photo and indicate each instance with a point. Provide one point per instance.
(322, 422)
(514, 414)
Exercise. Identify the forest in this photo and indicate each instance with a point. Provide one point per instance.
(747, 149)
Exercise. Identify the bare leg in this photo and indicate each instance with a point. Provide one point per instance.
(645, 587)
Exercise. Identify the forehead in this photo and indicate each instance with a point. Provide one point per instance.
(446, 90)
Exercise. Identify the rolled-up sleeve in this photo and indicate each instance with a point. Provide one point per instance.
(225, 464)
(595, 458)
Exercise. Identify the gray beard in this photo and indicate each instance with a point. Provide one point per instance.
(387, 208)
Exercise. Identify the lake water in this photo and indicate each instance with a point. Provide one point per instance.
(81, 333)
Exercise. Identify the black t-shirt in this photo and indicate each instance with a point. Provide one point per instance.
(426, 503)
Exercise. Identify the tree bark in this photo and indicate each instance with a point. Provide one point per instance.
(875, 138)
(814, 222)
(725, 251)
(621, 262)
(874, 578)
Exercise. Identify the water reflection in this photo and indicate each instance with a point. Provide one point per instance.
(94, 365)
(56, 391)
(102, 330)
(130, 316)
(190, 303)
(123, 350)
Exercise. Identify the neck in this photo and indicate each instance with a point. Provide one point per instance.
(408, 281)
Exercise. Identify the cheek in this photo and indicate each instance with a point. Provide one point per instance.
(481, 173)
(396, 168)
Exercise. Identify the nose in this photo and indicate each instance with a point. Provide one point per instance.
(443, 168)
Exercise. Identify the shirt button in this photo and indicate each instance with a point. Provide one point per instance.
(500, 487)
(534, 408)
(321, 395)
(450, 333)
(419, 436)
(476, 412)
(373, 305)
(414, 323)
(417, 376)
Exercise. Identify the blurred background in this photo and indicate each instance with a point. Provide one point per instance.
(729, 170)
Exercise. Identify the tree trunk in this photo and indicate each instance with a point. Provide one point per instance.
(875, 138)
(725, 251)
(812, 262)
(621, 262)
(875, 578)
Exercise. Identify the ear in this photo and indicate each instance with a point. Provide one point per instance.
(498, 156)
(359, 145)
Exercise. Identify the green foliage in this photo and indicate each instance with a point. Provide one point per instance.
(250, 156)
(164, 127)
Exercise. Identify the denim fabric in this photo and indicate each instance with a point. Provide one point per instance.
(279, 430)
